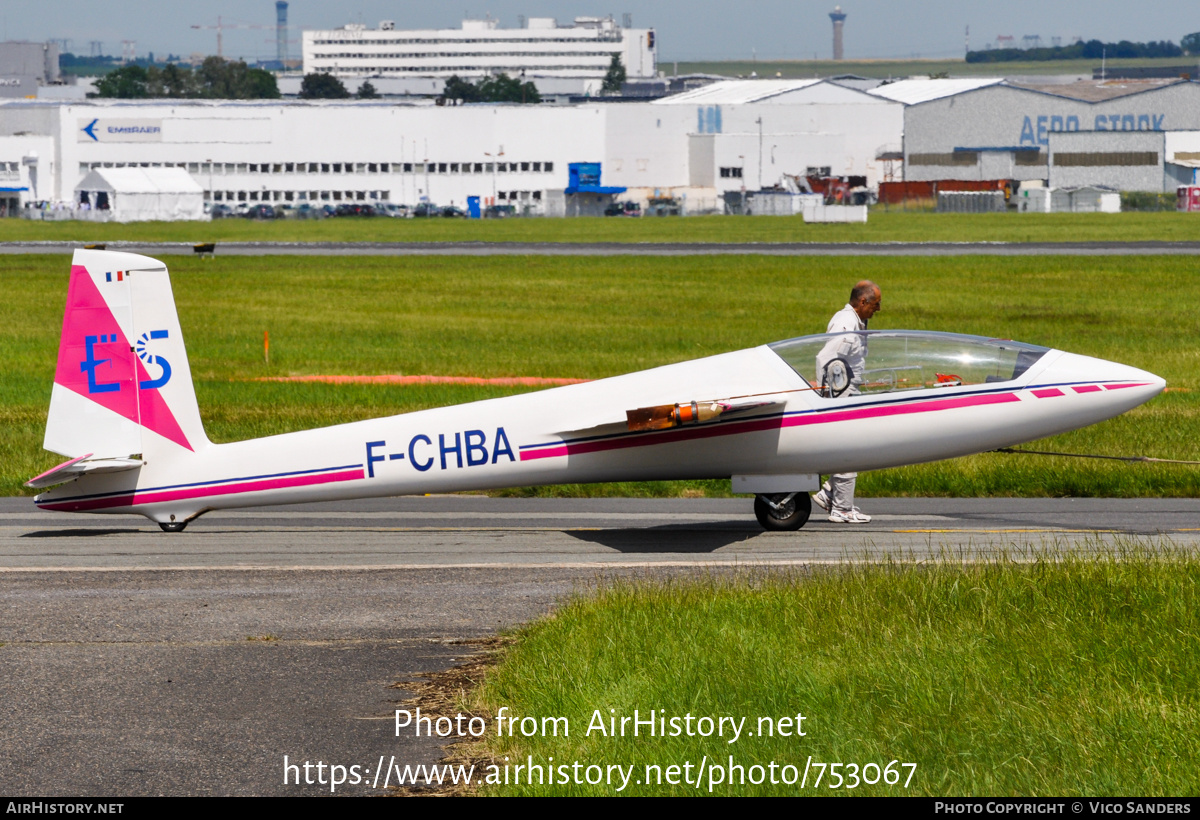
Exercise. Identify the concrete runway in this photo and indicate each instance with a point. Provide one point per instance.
(136, 662)
(631, 248)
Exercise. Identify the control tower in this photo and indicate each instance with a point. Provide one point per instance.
(281, 7)
(839, 20)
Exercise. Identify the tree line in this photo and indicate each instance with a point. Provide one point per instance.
(1091, 50)
(215, 78)
(500, 88)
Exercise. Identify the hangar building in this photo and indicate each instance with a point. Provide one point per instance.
(1126, 133)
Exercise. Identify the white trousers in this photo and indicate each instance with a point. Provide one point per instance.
(839, 489)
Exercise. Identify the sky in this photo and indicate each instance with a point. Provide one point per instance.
(686, 29)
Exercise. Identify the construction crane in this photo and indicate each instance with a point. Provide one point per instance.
(221, 26)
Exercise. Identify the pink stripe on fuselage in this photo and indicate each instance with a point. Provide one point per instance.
(159, 496)
(757, 425)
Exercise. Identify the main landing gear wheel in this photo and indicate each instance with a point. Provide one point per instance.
(783, 512)
(173, 526)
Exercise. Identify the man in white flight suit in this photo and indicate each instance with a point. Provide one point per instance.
(837, 494)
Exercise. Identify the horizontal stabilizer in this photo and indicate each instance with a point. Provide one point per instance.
(70, 470)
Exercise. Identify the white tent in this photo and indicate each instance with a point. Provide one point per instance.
(139, 194)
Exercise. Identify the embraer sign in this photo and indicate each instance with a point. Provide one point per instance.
(106, 130)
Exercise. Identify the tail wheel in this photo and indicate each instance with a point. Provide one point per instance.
(782, 512)
(178, 526)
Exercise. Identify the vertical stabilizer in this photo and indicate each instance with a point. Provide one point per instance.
(122, 385)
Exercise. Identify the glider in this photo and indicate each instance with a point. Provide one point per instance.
(123, 411)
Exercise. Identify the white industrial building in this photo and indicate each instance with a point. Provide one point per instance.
(566, 59)
(694, 147)
(748, 133)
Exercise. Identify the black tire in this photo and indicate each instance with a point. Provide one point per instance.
(791, 517)
(173, 526)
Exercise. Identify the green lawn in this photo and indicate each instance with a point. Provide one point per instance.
(1051, 675)
(882, 226)
(588, 317)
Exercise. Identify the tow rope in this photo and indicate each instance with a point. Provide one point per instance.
(1014, 450)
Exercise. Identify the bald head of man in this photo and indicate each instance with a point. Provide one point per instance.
(866, 299)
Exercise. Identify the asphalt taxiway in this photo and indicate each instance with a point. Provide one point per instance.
(477, 531)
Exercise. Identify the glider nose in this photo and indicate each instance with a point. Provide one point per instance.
(1123, 385)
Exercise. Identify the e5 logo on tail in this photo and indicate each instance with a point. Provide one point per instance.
(90, 362)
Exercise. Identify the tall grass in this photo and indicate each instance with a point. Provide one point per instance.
(1034, 673)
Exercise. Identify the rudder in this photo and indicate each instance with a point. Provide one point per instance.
(122, 385)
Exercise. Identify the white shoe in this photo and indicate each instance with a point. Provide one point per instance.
(854, 516)
(821, 500)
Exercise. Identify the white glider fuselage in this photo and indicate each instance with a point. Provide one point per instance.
(783, 429)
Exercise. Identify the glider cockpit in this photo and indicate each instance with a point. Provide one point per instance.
(886, 361)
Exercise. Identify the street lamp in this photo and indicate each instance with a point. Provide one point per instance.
(742, 177)
(760, 154)
(493, 163)
(428, 198)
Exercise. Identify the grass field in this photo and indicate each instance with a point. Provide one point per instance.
(595, 317)
(882, 226)
(1065, 676)
(895, 69)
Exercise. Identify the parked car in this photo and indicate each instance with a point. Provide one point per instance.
(453, 210)
(427, 209)
(392, 210)
(354, 209)
(221, 211)
(260, 211)
(499, 211)
(623, 209)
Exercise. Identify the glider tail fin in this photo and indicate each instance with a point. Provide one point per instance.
(122, 385)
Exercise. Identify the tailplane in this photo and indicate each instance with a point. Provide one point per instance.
(122, 388)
